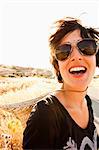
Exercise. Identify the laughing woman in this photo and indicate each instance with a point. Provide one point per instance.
(64, 119)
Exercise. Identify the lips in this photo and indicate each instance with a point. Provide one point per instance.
(78, 70)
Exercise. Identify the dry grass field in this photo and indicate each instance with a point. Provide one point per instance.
(17, 97)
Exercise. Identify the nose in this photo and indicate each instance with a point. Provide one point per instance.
(75, 55)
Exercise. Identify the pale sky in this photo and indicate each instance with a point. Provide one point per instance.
(25, 27)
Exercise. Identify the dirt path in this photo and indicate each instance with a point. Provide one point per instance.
(23, 89)
(20, 90)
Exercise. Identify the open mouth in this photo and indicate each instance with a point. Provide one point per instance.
(77, 70)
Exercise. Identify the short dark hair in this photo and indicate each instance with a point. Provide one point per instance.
(64, 27)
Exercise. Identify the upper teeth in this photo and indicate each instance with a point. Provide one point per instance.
(77, 69)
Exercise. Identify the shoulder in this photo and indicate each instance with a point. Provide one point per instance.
(41, 123)
(44, 103)
(43, 108)
(44, 115)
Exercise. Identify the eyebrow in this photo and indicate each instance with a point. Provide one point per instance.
(69, 43)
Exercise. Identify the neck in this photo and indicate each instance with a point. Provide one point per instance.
(73, 97)
(76, 91)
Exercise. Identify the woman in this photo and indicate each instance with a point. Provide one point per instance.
(64, 119)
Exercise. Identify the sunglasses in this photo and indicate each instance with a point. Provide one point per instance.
(85, 47)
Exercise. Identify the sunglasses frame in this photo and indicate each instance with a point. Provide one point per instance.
(59, 51)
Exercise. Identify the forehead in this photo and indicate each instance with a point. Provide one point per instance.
(72, 37)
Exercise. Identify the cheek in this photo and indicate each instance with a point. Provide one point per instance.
(92, 64)
(62, 67)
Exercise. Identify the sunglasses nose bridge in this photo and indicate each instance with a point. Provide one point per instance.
(75, 51)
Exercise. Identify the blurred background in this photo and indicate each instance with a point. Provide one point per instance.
(25, 27)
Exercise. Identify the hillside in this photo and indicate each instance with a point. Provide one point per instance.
(18, 71)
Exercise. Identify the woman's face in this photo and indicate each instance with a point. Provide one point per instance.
(77, 70)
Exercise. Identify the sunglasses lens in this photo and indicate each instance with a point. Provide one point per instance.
(63, 51)
(87, 47)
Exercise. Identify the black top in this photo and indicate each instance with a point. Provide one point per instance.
(50, 126)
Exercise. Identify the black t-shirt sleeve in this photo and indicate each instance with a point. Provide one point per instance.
(30, 134)
(39, 132)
